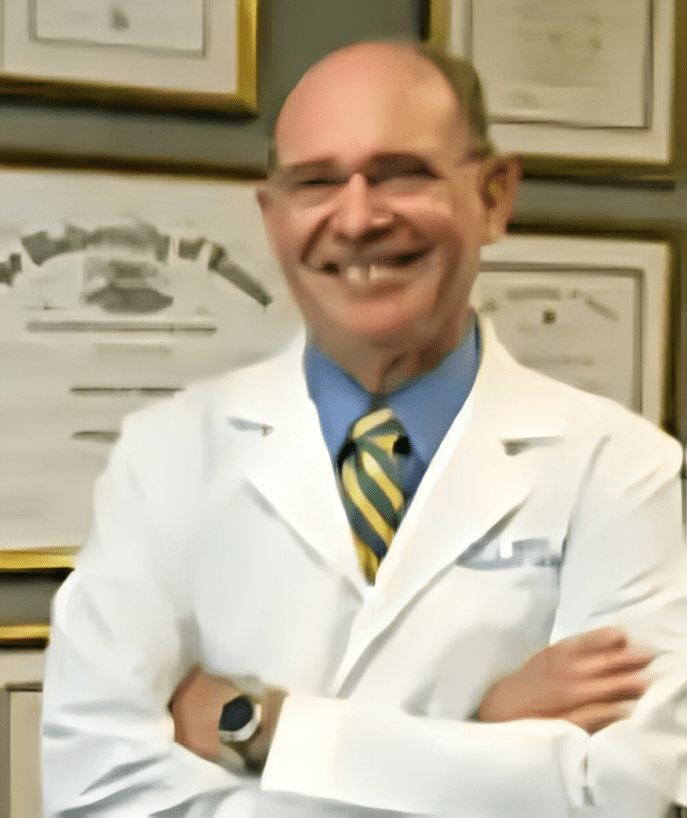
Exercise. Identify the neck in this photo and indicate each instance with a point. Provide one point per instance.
(384, 369)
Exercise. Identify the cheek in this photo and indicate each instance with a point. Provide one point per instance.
(452, 220)
(306, 290)
(287, 235)
(285, 244)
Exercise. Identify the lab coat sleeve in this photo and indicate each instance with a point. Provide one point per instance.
(119, 644)
(624, 565)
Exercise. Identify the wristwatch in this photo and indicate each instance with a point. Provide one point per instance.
(240, 720)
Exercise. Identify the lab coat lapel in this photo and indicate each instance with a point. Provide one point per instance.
(475, 484)
(291, 467)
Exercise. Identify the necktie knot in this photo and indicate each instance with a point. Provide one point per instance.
(380, 428)
(371, 484)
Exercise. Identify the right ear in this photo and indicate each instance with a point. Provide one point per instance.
(499, 185)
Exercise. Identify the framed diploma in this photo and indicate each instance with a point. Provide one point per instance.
(106, 304)
(591, 312)
(586, 87)
(196, 54)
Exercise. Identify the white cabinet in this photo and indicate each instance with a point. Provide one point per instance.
(25, 772)
(21, 672)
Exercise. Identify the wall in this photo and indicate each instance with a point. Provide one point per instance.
(292, 34)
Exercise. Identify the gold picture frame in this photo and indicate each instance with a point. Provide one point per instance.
(54, 58)
(45, 566)
(650, 146)
(33, 634)
(37, 560)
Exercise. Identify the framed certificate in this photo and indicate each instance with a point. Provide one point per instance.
(584, 87)
(592, 312)
(196, 54)
(106, 304)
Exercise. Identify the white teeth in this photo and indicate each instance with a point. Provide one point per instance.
(377, 273)
(360, 275)
(357, 275)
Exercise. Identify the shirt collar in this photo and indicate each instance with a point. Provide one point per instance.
(426, 406)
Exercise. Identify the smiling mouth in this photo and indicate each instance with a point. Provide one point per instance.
(379, 270)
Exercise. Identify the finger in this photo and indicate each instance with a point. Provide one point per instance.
(619, 687)
(599, 640)
(604, 689)
(596, 716)
(608, 663)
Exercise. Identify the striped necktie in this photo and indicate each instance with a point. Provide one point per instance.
(371, 484)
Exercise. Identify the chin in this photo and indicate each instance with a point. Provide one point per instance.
(398, 324)
(383, 335)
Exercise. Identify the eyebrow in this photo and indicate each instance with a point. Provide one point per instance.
(303, 169)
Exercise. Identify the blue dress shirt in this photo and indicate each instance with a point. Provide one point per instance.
(426, 406)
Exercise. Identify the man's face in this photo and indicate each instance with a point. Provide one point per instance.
(376, 211)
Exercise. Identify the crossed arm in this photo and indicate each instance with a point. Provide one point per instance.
(118, 649)
(590, 680)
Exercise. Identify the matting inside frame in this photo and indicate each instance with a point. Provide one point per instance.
(582, 64)
(149, 25)
(589, 312)
(580, 326)
(115, 291)
(593, 79)
(185, 45)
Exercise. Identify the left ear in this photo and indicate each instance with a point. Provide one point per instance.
(498, 188)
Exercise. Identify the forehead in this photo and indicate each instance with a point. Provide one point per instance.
(368, 101)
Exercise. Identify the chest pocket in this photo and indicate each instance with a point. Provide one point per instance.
(504, 553)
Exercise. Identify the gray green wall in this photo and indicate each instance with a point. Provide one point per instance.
(292, 34)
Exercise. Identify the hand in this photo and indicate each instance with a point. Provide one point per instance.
(588, 679)
(197, 705)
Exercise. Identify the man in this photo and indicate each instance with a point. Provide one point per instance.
(452, 647)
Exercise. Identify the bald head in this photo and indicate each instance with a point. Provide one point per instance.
(341, 83)
(379, 206)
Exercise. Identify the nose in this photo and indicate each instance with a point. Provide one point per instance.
(358, 211)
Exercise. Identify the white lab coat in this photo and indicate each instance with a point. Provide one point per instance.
(219, 537)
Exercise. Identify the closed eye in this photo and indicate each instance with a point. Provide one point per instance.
(318, 181)
(389, 168)
(422, 171)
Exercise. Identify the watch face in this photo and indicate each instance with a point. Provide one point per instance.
(236, 714)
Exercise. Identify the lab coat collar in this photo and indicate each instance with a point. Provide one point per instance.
(474, 484)
(292, 468)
